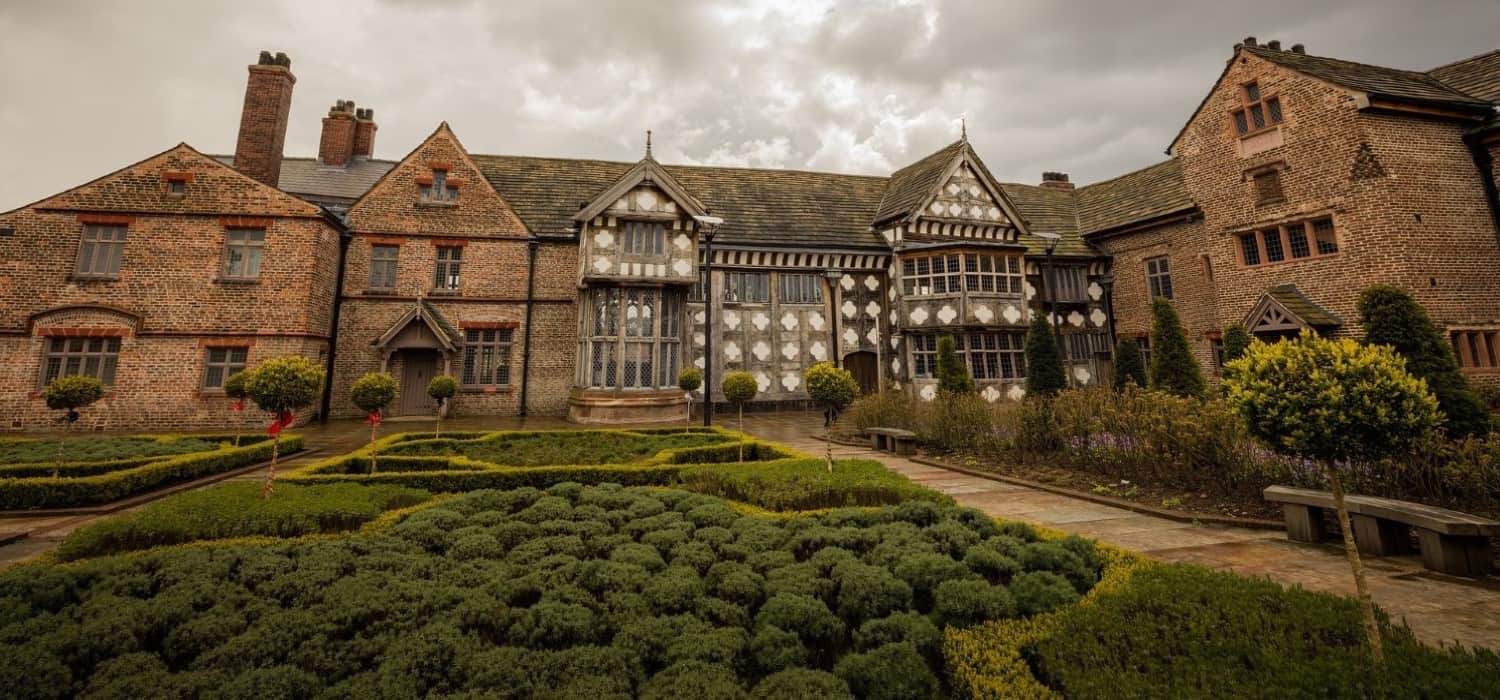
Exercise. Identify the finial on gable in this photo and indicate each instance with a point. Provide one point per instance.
(963, 129)
(648, 143)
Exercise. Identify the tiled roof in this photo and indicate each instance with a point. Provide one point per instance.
(1294, 301)
(306, 178)
(1387, 82)
(1048, 210)
(1478, 76)
(783, 208)
(910, 185)
(1133, 197)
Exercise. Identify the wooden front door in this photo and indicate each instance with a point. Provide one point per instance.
(418, 369)
(865, 369)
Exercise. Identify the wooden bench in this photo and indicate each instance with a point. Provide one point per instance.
(893, 440)
(1451, 542)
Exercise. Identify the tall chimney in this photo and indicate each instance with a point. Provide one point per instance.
(268, 103)
(364, 133)
(1056, 181)
(1274, 44)
(336, 146)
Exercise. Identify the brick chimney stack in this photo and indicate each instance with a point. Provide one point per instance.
(268, 104)
(1056, 181)
(336, 147)
(364, 133)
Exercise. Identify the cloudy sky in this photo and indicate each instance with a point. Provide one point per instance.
(1090, 88)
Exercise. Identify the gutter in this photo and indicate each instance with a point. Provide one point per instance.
(338, 304)
(531, 246)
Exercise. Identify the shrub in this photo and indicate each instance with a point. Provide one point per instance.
(1236, 341)
(441, 389)
(913, 628)
(1044, 366)
(693, 679)
(1130, 367)
(773, 649)
(1184, 631)
(1173, 368)
(373, 393)
(952, 373)
(1332, 402)
(960, 603)
(803, 615)
(1390, 316)
(805, 485)
(834, 389)
(801, 684)
(281, 386)
(1037, 592)
(891, 672)
(867, 592)
(689, 380)
(71, 393)
(233, 510)
(887, 408)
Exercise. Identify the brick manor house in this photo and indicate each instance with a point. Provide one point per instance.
(552, 286)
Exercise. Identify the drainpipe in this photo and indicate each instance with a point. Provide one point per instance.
(345, 237)
(531, 245)
(1486, 165)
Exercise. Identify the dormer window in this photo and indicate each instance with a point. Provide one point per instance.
(438, 188)
(1258, 112)
(178, 187)
(175, 183)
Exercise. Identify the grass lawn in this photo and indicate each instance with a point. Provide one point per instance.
(94, 449)
(537, 449)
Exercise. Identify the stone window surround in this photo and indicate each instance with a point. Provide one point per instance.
(1476, 349)
(1285, 242)
(1271, 117)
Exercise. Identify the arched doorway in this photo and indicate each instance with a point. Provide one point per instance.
(866, 370)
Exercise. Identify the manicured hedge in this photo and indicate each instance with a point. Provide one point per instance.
(238, 510)
(1181, 631)
(458, 473)
(56, 492)
(570, 592)
(806, 484)
(93, 449)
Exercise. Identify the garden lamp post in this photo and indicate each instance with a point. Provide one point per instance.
(708, 227)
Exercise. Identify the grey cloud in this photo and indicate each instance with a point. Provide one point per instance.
(1094, 89)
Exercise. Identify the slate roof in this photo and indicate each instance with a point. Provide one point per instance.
(1147, 193)
(1478, 76)
(1294, 301)
(306, 178)
(1392, 83)
(761, 207)
(910, 185)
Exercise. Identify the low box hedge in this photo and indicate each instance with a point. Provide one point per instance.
(35, 492)
(238, 510)
(806, 484)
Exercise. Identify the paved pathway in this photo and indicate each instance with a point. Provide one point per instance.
(1438, 608)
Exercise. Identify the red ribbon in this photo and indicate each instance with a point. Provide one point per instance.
(374, 417)
(239, 405)
(284, 420)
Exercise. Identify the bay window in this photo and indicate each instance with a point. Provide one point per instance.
(633, 338)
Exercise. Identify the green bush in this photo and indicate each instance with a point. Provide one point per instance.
(957, 422)
(1044, 365)
(689, 379)
(1130, 367)
(804, 484)
(71, 393)
(1182, 631)
(1236, 341)
(284, 384)
(90, 488)
(965, 602)
(1391, 317)
(373, 392)
(890, 672)
(952, 373)
(1174, 370)
(693, 679)
(802, 684)
(84, 451)
(829, 386)
(236, 510)
(887, 408)
(1037, 592)
(442, 388)
(909, 627)
(739, 387)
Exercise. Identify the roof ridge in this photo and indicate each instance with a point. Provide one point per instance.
(1262, 50)
(1450, 64)
(701, 166)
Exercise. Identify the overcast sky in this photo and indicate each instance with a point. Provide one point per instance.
(1090, 88)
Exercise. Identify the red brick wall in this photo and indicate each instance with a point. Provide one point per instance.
(262, 137)
(336, 143)
(1192, 283)
(492, 285)
(1447, 258)
(168, 297)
